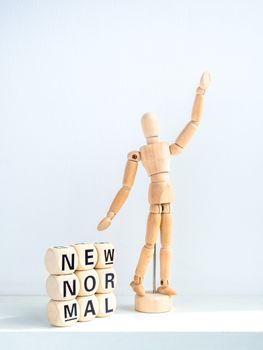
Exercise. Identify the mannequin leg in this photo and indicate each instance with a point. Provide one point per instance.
(153, 226)
(166, 251)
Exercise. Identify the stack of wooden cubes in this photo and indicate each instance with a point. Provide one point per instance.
(81, 282)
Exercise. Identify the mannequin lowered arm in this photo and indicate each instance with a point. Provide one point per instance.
(197, 111)
(122, 195)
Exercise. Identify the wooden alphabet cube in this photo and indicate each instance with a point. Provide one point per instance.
(87, 255)
(62, 287)
(63, 313)
(106, 255)
(61, 260)
(107, 280)
(89, 307)
(107, 304)
(89, 282)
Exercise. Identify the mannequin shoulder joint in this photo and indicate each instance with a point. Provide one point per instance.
(134, 156)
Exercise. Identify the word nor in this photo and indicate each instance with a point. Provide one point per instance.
(81, 282)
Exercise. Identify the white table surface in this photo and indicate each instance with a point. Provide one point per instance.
(203, 317)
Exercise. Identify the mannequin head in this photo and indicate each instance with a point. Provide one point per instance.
(150, 127)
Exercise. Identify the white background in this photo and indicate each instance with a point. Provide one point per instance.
(75, 78)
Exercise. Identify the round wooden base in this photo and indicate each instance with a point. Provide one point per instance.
(153, 303)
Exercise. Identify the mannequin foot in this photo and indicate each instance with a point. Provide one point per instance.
(137, 288)
(166, 290)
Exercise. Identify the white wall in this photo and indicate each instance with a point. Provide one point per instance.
(75, 78)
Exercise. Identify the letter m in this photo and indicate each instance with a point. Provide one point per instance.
(70, 313)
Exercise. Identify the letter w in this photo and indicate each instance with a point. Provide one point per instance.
(109, 256)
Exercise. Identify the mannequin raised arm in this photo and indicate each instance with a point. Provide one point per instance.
(122, 195)
(197, 111)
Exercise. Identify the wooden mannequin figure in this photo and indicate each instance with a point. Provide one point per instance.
(155, 157)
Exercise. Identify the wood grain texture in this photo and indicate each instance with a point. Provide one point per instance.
(87, 255)
(62, 287)
(89, 282)
(153, 303)
(106, 255)
(155, 157)
(61, 260)
(88, 308)
(107, 280)
(63, 313)
(107, 304)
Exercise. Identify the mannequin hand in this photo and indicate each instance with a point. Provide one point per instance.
(205, 81)
(104, 223)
